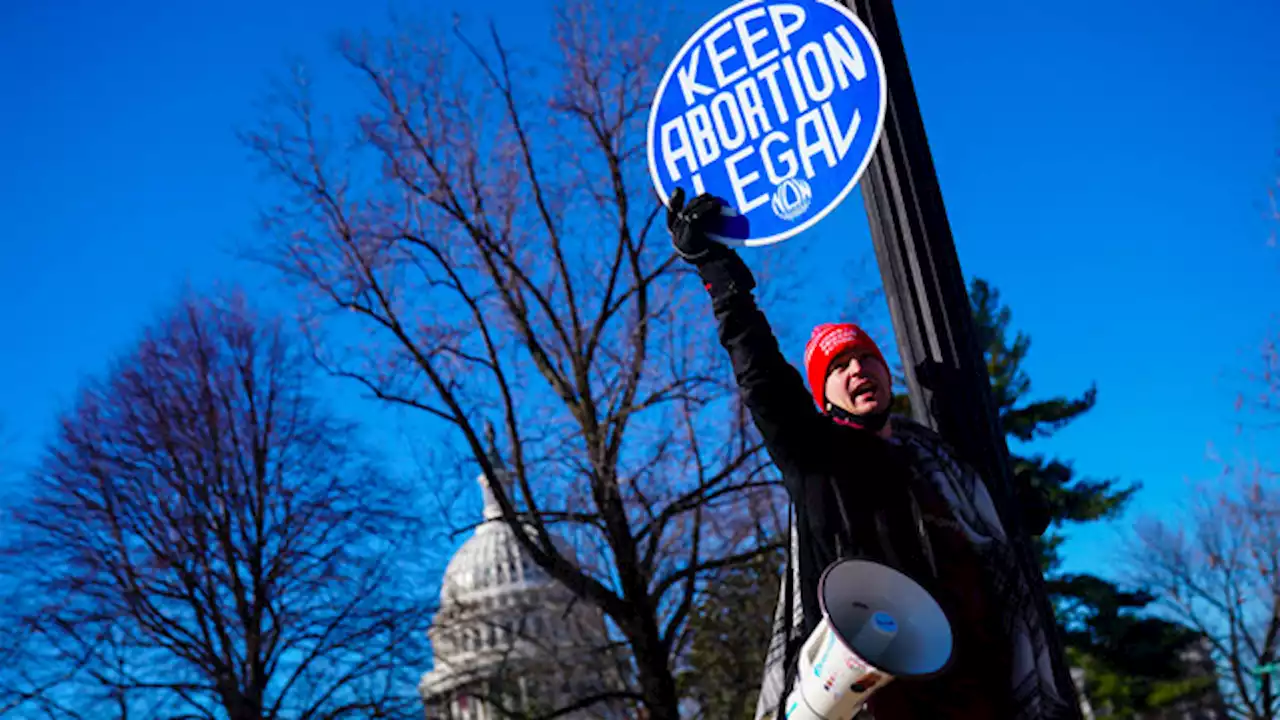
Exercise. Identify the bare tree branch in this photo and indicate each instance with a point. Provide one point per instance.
(503, 268)
(1220, 574)
(205, 539)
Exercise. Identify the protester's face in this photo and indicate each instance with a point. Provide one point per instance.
(858, 383)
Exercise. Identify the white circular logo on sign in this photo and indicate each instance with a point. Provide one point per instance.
(792, 198)
(775, 107)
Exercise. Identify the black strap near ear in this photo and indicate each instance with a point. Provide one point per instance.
(870, 423)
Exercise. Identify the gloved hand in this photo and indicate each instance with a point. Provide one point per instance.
(688, 226)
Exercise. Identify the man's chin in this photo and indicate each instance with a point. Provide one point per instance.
(866, 409)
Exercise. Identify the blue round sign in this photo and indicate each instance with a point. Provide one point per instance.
(775, 107)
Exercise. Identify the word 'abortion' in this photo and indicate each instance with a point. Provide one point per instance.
(773, 100)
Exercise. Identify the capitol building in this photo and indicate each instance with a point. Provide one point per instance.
(509, 642)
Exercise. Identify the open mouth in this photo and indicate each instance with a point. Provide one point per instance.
(862, 389)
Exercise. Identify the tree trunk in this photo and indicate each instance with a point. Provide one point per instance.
(659, 689)
(657, 683)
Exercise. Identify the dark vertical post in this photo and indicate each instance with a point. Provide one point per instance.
(929, 305)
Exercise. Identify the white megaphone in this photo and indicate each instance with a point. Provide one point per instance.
(877, 624)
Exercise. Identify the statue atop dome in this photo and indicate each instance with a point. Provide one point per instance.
(492, 510)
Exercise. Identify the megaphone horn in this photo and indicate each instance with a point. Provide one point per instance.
(877, 624)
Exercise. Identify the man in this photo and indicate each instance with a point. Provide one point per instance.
(865, 485)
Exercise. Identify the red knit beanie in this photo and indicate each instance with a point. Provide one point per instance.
(827, 341)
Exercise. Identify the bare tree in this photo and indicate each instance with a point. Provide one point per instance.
(204, 539)
(1259, 408)
(489, 232)
(1218, 571)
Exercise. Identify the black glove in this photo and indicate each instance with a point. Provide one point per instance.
(723, 273)
(688, 226)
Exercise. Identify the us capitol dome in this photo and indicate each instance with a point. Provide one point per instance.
(509, 641)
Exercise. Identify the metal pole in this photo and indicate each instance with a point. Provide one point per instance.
(946, 376)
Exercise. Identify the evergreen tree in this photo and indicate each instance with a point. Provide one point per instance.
(729, 637)
(1130, 661)
(1072, 499)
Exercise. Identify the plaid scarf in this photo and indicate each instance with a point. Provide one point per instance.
(1033, 690)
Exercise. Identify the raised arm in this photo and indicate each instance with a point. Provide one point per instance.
(772, 388)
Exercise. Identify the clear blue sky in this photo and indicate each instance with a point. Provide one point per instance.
(1104, 164)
